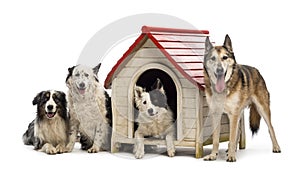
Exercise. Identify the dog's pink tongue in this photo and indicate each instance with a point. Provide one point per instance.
(220, 85)
(82, 91)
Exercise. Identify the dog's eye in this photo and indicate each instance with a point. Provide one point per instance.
(45, 99)
(55, 98)
(225, 57)
(77, 75)
(213, 58)
(144, 102)
(86, 75)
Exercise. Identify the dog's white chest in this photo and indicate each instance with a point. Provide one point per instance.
(89, 116)
(216, 102)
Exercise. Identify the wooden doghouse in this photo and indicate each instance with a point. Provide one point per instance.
(176, 57)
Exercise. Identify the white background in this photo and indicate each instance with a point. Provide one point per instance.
(40, 40)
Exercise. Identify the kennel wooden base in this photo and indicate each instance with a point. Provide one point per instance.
(117, 140)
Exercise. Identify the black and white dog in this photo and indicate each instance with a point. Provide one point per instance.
(48, 132)
(155, 118)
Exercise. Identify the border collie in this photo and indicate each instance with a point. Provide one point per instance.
(154, 119)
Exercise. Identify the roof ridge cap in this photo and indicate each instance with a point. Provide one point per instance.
(148, 29)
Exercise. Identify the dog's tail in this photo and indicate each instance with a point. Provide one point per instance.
(28, 136)
(108, 108)
(254, 119)
(85, 142)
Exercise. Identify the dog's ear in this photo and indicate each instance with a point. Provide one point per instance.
(37, 98)
(138, 91)
(62, 97)
(227, 43)
(208, 45)
(96, 68)
(158, 85)
(70, 72)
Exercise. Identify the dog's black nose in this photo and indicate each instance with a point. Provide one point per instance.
(220, 70)
(50, 107)
(81, 85)
(150, 111)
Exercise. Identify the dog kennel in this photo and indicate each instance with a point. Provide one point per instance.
(176, 57)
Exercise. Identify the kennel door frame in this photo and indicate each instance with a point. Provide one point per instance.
(178, 86)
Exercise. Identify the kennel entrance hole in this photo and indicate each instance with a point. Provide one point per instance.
(148, 78)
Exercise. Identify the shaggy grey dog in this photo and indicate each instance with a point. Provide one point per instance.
(89, 107)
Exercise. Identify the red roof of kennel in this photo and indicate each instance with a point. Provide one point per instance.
(184, 48)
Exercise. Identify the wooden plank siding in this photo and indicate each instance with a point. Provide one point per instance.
(206, 132)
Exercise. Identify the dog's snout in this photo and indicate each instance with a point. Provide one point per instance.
(220, 70)
(150, 111)
(50, 107)
(82, 85)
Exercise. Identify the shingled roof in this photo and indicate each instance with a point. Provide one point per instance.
(184, 48)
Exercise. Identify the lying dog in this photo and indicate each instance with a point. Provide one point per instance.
(48, 131)
(156, 121)
(89, 106)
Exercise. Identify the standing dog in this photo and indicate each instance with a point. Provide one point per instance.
(153, 120)
(230, 88)
(49, 131)
(89, 107)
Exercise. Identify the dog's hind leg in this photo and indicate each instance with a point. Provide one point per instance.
(100, 136)
(28, 136)
(139, 150)
(263, 108)
(170, 144)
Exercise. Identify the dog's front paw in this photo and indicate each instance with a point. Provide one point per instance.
(139, 154)
(94, 149)
(276, 149)
(231, 158)
(171, 152)
(69, 147)
(210, 157)
(60, 149)
(50, 150)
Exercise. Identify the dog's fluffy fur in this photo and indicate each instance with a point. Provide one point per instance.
(153, 120)
(230, 88)
(48, 131)
(89, 107)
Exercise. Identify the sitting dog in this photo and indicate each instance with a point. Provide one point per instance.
(89, 106)
(48, 131)
(153, 120)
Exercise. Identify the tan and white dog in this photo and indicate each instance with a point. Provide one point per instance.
(48, 132)
(230, 88)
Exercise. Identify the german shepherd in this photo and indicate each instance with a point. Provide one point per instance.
(230, 88)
